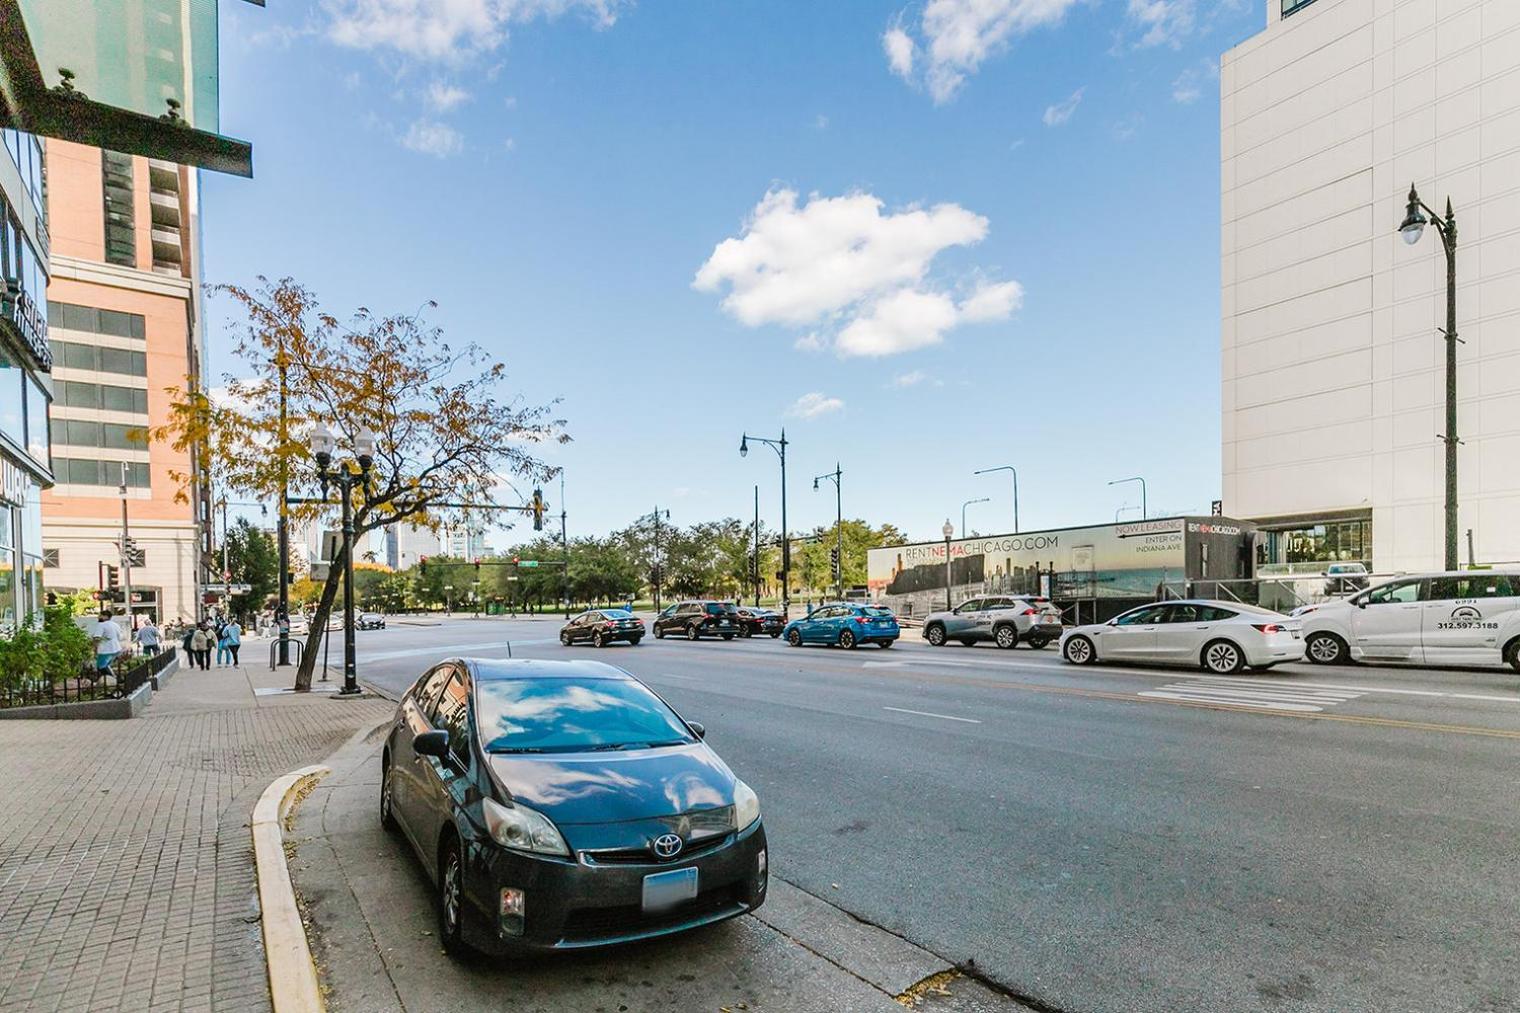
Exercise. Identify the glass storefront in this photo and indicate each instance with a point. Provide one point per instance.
(1306, 547)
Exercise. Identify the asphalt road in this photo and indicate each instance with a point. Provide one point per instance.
(1115, 838)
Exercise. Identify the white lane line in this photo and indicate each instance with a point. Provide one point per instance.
(931, 714)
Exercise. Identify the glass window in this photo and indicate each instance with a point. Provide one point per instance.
(11, 379)
(571, 715)
(974, 605)
(454, 717)
(427, 695)
(37, 442)
(1143, 616)
(1495, 585)
(1403, 591)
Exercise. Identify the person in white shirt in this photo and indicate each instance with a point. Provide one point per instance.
(107, 637)
(148, 638)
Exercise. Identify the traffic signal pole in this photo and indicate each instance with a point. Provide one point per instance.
(126, 552)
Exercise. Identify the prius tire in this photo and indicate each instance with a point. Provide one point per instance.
(1221, 657)
(935, 635)
(387, 802)
(847, 640)
(1079, 651)
(451, 902)
(1326, 649)
(1006, 637)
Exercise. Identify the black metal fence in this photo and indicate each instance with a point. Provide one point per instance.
(127, 676)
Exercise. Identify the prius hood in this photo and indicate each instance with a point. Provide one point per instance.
(615, 787)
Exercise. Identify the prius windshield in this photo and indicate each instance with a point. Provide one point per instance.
(573, 715)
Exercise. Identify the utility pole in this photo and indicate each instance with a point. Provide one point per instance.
(755, 572)
(282, 526)
(835, 476)
(564, 545)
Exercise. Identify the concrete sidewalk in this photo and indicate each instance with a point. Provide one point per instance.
(126, 879)
(369, 909)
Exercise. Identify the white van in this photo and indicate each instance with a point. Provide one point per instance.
(1465, 617)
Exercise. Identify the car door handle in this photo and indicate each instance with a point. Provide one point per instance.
(1200, 627)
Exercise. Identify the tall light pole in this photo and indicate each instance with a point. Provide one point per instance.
(834, 476)
(970, 502)
(1007, 467)
(948, 530)
(347, 477)
(756, 571)
(779, 446)
(282, 526)
(1415, 220)
(1144, 510)
(126, 552)
(658, 566)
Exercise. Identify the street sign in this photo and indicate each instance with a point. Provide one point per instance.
(319, 571)
(527, 564)
(228, 589)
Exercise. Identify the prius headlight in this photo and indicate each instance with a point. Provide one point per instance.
(746, 805)
(522, 829)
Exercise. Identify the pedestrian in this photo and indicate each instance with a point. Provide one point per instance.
(148, 637)
(232, 635)
(187, 637)
(107, 637)
(220, 636)
(200, 646)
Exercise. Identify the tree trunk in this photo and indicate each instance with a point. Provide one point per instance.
(318, 628)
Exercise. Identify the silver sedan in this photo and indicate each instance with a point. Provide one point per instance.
(1219, 636)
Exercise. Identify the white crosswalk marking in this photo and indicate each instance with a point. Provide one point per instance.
(1254, 694)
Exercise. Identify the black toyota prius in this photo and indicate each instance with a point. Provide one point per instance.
(563, 804)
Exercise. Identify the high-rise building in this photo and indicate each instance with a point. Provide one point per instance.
(463, 542)
(25, 388)
(1333, 361)
(124, 307)
(406, 545)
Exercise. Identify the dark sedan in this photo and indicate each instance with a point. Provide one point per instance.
(602, 627)
(755, 621)
(562, 804)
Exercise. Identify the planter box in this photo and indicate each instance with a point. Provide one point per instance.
(129, 706)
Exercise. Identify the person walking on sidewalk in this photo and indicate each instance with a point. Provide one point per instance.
(232, 636)
(222, 654)
(107, 637)
(148, 637)
(200, 647)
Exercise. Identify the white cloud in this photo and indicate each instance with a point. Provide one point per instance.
(1062, 112)
(429, 137)
(812, 341)
(1188, 87)
(447, 29)
(1163, 22)
(841, 266)
(912, 379)
(957, 36)
(814, 404)
(899, 48)
(442, 97)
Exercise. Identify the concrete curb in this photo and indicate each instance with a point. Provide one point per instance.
(292, 973)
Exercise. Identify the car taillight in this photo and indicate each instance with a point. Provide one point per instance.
(1027, 612)
(861, 620)
(1269, 627)
(610, 623)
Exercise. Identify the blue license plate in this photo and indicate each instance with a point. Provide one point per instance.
(667, 889)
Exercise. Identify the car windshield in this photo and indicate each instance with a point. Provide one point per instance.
(617, 614)
(572, 715)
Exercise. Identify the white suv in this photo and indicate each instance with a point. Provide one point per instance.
(1462, 617)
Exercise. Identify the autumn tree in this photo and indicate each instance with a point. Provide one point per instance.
(444, 436)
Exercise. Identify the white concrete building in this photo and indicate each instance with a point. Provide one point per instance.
(1333, 367)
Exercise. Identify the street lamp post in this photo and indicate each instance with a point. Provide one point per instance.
(1007, 467)
(282, 526)
(347, 477)
(948, 530)
(658, 566)
(1144, 509)
(779, 446)
(1413, 227)
(834, 476)
(970, 502)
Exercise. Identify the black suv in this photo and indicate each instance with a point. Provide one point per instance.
(696, 619)
(754, 621)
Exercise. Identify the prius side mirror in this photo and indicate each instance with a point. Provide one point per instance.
(433, 743)
(697, 728)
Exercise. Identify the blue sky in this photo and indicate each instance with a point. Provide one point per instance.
(954, 235)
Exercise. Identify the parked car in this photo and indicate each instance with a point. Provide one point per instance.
(1006, 620)
(847, 624)
(370, 621)
(1220, 637)
(1344, 578)
(754, 621)
(1466, 617)
(559, 805)
(602, 627)
(696, 619)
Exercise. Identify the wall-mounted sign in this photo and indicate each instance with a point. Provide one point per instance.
(20, 309)
(14, 484)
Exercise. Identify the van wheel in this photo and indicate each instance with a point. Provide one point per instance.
(1512, 654)
(935, 635)
(1222, 658)
(692, 632)
(1007, 637)
(1326, 649)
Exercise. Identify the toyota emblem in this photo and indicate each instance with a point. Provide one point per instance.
(667, 846)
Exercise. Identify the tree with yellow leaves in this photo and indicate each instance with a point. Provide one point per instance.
(444, 437)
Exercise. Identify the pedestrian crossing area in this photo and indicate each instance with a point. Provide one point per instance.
(1253, 694)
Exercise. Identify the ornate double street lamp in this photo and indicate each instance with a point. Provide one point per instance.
(1416, 216)
(834, 476)
(347, 476)
(779, 446)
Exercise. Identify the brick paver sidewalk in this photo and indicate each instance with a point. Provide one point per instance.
(126, 872)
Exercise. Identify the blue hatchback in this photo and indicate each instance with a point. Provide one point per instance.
(846, 624)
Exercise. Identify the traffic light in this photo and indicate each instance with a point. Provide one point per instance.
(538, 509)
(422, 565)
(834, 560)
(113, 579)
(477, 567)
(516, 560)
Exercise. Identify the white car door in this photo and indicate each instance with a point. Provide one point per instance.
(1386, 623)
(1131, 636)
(1461, 617)
(1184, 631)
